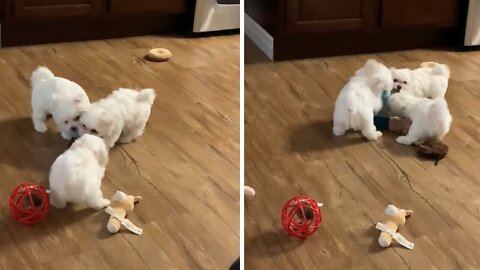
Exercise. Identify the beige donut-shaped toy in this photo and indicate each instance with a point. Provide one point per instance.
(159, 54)
(249, 192)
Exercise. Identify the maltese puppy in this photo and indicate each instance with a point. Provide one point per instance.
(64, 100)
(431, 119)
(76, 175)
(360, 99)
(121, 116)
(430, 80)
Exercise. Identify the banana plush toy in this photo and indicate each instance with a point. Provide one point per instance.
(121, 205)
(395, 219)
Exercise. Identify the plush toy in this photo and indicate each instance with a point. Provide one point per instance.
(395, 219)
(121, 205)
(433, 150)
(249, 192)
(159, 54)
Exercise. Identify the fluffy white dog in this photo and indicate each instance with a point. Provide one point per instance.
(431, 119)
(430, 80)
(76, 175)
(360, 99)
(121, 116)
(64, 100)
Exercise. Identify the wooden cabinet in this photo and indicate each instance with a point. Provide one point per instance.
(312, 28)
(401, 13)
(55, 8)
(129, 6)
(328, 15)
(333, 15)
(26, 22)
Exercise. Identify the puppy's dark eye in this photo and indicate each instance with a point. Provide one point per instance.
(77, 118)
(405, 82)
(66, 121)
(395, 80)
(93, 131)
(84, 126)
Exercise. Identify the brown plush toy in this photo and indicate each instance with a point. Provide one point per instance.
(395, 219)
(433, 150)
(121, 205)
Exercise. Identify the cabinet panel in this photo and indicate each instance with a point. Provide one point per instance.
(325, 15)
(168, 6)
(46, 3)
(55, 8)
(442, 13)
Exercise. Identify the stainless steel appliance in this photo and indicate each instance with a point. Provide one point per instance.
(472, 33)
(213, 15)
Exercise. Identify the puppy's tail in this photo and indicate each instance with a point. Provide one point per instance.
(146, 96)
(41, 74)
(437, 69)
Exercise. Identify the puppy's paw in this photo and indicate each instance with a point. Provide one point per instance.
(104, 203)
(66, 136)
(59, 204)
(403, 140)
(40, 128)
(374, 135)
(126, 140)
(338, 131)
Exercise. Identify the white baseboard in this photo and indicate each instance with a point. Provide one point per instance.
(259, 36)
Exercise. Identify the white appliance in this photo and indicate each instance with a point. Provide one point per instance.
(213, 15)
(472, 33)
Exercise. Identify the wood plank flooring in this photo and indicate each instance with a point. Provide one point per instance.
(290, 150)
(186, 165)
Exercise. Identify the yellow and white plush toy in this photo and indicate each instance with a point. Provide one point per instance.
(395, 219)
(120, 206)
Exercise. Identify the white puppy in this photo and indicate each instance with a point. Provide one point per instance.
(360, 99)
(431, 119)
(429, 81)
(76, 175)
(64, 100)
(121, 116)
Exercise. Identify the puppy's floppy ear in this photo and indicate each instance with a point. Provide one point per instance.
(102, 153)
(77, 101)
(106, 118)
(111, 120)
(377, 83)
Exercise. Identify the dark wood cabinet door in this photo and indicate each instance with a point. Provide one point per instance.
(166, 6)
(55, 8)
(329, 15)
(403, 13)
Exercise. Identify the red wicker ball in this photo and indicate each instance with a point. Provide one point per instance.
(301, 217)
(29, 203)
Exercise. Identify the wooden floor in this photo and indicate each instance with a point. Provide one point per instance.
(290, 150)
(186, 165)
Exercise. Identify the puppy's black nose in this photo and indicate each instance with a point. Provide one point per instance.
(74, 129)
(396, 89)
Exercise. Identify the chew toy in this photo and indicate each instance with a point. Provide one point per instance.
(121, 205)
(395, 219)
(159, 54)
